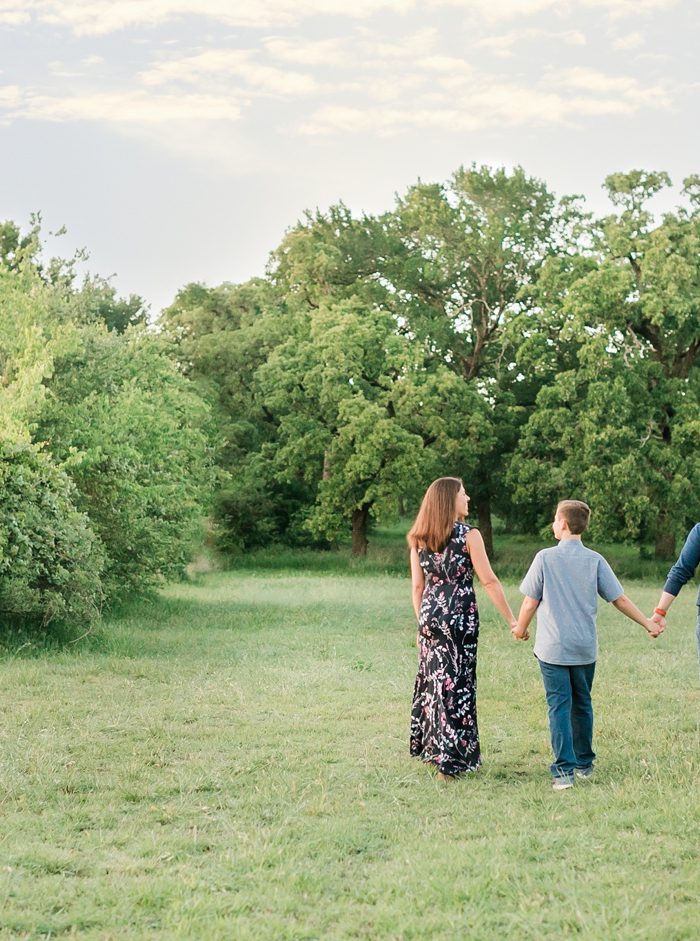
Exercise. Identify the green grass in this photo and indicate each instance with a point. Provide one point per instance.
(230, 761)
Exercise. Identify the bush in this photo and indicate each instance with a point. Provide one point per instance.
(132, 434)
(50, 559)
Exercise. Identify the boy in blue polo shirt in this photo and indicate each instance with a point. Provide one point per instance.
(562, 585)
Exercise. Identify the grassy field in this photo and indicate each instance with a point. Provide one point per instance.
(230, 761)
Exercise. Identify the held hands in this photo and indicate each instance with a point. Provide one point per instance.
(655, 625)
(660, 621)
(519, 633)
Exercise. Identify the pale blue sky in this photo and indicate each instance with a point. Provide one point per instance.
(178, 139)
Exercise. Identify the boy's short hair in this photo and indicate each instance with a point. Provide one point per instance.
(576, 513)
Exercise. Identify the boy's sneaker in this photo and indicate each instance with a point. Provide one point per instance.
(562, 784)
(584, 772)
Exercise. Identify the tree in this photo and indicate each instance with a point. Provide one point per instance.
(329, 384)
(621, 425)
(221, 336)
(360, 418)
(462, 255)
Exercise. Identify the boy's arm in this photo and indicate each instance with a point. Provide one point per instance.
(531, 587)
(630, 610)
(527, 610)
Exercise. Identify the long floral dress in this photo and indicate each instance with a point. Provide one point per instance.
(443, 718)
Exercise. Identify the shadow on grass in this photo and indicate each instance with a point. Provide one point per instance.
(28, 640)
(160, 627)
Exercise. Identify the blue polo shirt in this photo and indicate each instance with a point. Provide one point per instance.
(567, 580)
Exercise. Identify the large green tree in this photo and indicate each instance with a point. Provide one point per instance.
(461, 256)
(620, 426)
(222, 336)
(360, 418)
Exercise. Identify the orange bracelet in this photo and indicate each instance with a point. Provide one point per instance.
(660, 611)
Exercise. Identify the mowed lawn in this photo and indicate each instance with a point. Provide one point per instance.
(230, 762)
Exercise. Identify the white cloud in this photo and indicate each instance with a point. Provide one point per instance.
(13, 17)
(446, 64)
(506, 9)
(125, 108)
(99, 17)
(59, 69)
(630, 41)
(503, 45)
(620, 8)
(487, 106)
(105, 16)
(495, 10)
(222, 65)
(414, 44)
(310, 53)
(392, 87)
(415, 80)
(561, 99)
(572, 37)
(499, 45)
(621, 86)
(9, 96)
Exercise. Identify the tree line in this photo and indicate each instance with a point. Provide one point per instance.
(481, 327)
(106, 455)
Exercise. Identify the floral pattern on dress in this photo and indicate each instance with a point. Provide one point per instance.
(444, 729)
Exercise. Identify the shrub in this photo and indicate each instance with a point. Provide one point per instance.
(132, 434)
(50, 559)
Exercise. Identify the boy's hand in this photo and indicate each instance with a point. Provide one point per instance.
(519, 633)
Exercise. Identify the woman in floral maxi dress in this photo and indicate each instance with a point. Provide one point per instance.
(445, 553)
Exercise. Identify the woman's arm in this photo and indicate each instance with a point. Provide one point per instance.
(417, 581)
(486, 575)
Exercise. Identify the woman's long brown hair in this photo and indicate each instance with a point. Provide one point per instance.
(436, 517)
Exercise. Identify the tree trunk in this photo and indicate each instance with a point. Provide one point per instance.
(483, 512)
(665, 542)
(360, 519)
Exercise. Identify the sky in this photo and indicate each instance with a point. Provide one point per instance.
(177, 140)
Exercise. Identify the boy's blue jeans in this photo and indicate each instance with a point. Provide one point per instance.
(568, 691)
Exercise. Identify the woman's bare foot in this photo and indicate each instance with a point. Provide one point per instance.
(445, 777)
